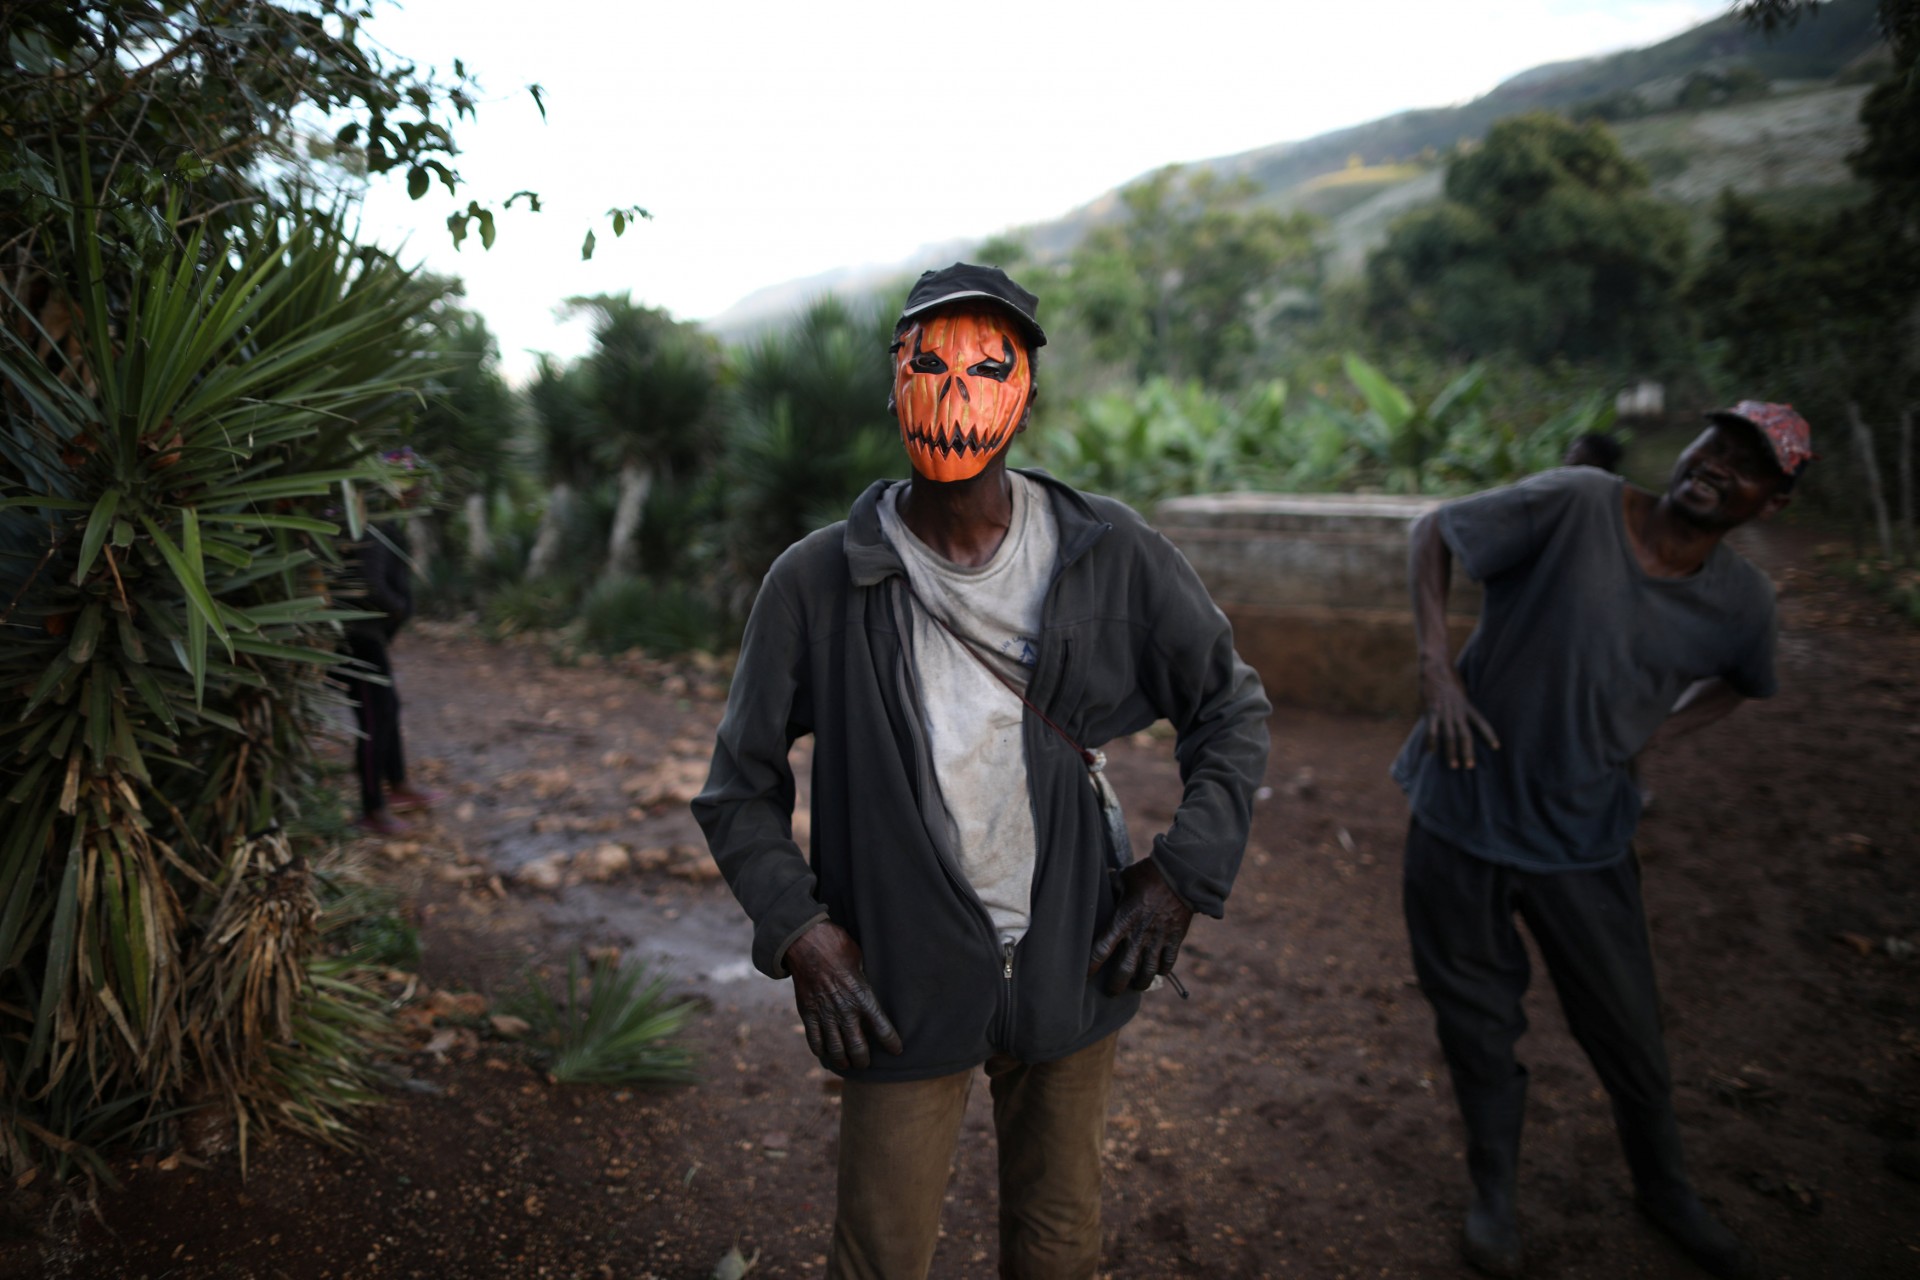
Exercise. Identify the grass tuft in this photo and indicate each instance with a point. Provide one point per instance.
(612, 1025)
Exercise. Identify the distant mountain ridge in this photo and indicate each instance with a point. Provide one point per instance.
(1811, 54)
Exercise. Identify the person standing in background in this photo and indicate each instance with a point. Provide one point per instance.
(1613, 616)
(1594, 449)
(386, 586)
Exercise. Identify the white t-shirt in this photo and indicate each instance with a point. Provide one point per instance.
(973, 720)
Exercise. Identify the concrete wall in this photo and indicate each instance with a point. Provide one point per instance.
(1316, 588)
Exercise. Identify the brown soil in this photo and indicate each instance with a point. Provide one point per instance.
(1289, 1120)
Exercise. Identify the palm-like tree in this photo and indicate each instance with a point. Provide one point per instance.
(468, 427)
(807, 429)
(561, 415)
(168, 479)
(650, 382)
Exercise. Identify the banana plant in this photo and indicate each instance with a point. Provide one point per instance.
(1403, 437)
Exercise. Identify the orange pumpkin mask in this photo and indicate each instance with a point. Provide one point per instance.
(961, 382)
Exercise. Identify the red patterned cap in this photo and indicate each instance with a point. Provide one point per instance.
(1785, 430)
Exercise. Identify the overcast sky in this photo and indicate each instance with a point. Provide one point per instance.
(775, 140)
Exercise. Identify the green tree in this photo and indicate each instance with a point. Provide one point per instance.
(807, 430)
(557, 399)
(468, 422)
(1826, 308)
(220, 104)
(650, 382)
(1180, 285)
(1546, 245)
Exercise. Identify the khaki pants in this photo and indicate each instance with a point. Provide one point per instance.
(896, 1149)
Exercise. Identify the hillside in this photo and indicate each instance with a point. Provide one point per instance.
(1717, 106)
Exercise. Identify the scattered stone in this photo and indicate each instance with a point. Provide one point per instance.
(576, 824)
(1749, 1089)
(675, 780)
(546, 783)
(416, 1019)
(457, 1004)
(651, 858)
(1794, 1194)
(690, 862)
(602, 863)
(542, 874)
(505, 1024)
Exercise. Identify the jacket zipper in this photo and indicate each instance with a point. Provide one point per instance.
(1006, 976)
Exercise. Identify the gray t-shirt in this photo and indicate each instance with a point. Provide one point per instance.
(1579, 656)
(973, 720)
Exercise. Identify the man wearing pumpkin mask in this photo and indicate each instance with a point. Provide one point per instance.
(959, 647)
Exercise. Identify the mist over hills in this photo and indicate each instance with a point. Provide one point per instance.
(1719, 105)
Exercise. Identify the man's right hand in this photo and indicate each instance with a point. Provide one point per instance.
(1452, 720)
(836, 1002)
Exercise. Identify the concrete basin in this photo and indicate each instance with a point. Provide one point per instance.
(1316, 588)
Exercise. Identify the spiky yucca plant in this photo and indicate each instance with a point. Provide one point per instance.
(173, 442)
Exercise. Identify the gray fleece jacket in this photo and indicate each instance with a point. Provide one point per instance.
(1128, 636)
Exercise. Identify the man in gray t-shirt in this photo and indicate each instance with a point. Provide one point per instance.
(1611, 615)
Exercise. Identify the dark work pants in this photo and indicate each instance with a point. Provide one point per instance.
(378, 757)
(1591, 929)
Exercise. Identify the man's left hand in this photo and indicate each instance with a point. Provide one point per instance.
(1147, 930)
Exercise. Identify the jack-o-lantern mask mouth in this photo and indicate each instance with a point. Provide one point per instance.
(961, 381)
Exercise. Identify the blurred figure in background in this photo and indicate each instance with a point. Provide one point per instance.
(386, 586)
(1594, 449)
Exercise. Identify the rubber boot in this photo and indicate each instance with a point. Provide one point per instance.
(1651, 1139)
(1491, 1239)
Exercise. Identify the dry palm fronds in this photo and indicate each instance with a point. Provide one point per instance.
(251, 964)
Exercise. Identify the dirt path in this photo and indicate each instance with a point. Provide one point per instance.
(1290, 1120)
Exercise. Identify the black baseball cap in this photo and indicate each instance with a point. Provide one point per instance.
(964, 280)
